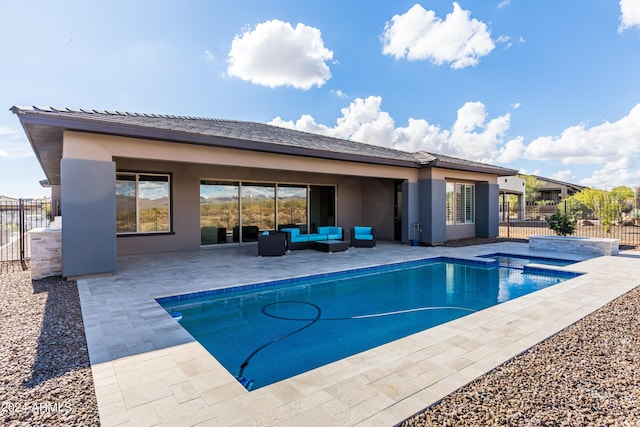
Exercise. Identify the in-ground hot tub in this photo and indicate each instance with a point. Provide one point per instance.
(584, 245)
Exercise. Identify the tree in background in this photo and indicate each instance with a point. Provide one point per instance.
(532, 186)
(598, 204)
(625, 196)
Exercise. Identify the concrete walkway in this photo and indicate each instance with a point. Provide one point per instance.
(149, 371)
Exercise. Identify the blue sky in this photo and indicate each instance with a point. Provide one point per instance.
(546, 87)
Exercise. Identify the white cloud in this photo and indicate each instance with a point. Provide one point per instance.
(607, 142)
(7, 131)
(613, 147)
(511, 151)
(612, 174)
(276, 54)
(419, 34)
(473, 136)
(524, 171)
(504, 3)
(361, 121)
(339, 93)
(630, 14)
(208, 56)
(563, 175)
(13, 144)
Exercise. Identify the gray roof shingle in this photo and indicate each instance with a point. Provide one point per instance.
(44, 126)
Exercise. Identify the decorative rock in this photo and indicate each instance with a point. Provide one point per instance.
(587, 374)
(46, 375)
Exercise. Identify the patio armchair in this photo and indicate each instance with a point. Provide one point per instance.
(363, 237)
(272, 243)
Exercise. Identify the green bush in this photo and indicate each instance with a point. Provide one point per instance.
(562, 224)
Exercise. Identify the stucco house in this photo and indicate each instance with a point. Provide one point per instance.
(133, 183)
(554, 191)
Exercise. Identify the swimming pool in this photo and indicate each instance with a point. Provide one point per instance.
(519, 261)
(267, 332)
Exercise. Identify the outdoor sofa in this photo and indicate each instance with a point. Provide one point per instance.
(297, 240)
(363, 237)
(272, 243)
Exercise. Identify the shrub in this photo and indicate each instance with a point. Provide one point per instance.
(562, 224)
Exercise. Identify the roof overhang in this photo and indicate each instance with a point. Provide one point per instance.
(474, 167)
(45, 134)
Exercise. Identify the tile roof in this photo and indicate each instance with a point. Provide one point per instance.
(44, 126)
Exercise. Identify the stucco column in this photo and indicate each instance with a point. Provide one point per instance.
(89, 217)
(433, 221)
(487, 209)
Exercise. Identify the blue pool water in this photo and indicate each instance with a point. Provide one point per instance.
(519, 261)
(267, 332)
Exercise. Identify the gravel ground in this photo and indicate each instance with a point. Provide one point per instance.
(588, 374)
(46, 375)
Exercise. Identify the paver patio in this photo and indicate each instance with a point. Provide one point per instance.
(149, 371)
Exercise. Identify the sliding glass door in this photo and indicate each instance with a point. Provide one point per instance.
(292, 206)
(258, 211)
(219, 211)
(239, 211)
(322, 206)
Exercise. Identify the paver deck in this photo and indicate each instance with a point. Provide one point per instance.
(149, 371)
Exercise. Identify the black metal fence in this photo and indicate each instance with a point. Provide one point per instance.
(513, 226)
(16, 219)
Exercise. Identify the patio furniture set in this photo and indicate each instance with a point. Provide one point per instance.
(325, 239)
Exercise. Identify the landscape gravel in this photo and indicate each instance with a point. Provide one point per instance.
(586, 375)
(46, 375)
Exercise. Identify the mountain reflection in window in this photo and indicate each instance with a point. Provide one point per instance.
(142, 203)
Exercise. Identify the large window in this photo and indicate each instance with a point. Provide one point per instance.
(143, 203)
(460, 203)
(292, 205)
(258, 210)
(239, 211)
(219, 211)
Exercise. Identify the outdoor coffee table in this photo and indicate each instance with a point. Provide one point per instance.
(331, 245)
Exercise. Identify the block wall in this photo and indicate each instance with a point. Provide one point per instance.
(46, 253)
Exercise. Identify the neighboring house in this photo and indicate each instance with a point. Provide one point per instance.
(9, 211)
(138, 183)
(512, 200)
(6, 199)
(554, 191)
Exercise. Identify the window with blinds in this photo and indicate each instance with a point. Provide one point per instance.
(460, 203)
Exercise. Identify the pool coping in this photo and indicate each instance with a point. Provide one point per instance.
(375, 269)
(171, 379)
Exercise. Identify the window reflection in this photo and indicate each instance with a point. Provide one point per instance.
(142, 203)
(258, 210)
(292, 206)
(219, 211)
(239, 211)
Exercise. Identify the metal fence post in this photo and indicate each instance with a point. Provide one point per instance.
(21, 228)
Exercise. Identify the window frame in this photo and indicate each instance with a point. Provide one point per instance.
(460, 203)
(137, 175)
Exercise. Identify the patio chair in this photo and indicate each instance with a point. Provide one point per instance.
(363, 237)
(272, 243)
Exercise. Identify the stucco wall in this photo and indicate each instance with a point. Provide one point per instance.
(89, 215)
(432, 211)
(359, 200)
(364, 192)
(377, 206)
